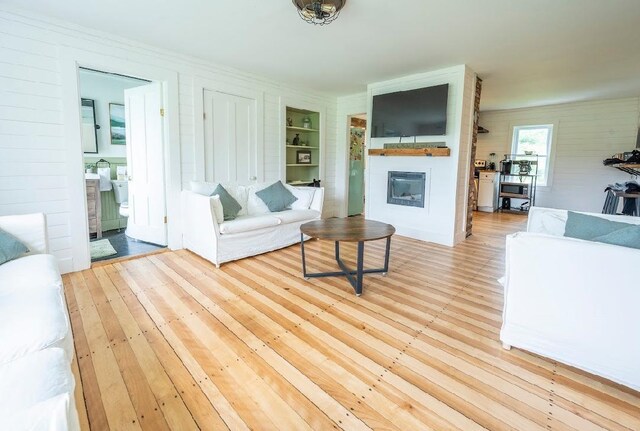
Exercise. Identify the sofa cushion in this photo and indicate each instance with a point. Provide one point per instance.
(33, 272)
(304, 196)
(10, 247)
(583, 226)
(276, 197)
(292, 216)
(31, 320)
(248, 223)
(230, 206)
(203, 188)
(255, 205)
(216, 209)
(34, 378)
(626, 237)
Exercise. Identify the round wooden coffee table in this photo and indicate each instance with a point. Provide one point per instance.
(350, 230)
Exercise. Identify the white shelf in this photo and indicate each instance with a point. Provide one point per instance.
(299, 182)
(303, 147)
(301, 129)
(302, 164)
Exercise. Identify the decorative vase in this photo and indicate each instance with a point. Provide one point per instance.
(296, 140)
(306, 122)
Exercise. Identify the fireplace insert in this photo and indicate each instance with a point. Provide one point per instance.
(406, 188)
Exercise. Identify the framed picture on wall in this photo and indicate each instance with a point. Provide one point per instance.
(117, 125)
(303, 157)
(89, 126)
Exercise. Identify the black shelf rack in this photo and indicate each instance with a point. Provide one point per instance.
(510, 172)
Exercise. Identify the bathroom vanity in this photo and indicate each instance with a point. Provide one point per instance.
(94, 207)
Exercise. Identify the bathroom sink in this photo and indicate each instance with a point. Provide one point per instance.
(88, 176)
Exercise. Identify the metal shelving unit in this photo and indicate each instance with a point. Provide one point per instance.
(511, 170)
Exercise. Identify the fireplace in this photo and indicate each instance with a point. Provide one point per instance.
(406, 188)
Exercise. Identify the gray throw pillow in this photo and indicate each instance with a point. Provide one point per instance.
(230, 206)
(588, 227)
(277, 197)
(627, 237)
(10, 247)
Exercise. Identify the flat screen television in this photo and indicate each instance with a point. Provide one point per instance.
(419, 112)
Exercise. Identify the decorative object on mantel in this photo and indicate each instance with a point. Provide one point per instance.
(428, 152)
(320, 12)
(416, 145)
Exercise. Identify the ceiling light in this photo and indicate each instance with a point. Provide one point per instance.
(319, 11)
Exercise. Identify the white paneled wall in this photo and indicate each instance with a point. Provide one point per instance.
(34, 175)
(587, 133)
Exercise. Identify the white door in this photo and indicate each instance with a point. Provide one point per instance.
(230, 137)
(145, 160)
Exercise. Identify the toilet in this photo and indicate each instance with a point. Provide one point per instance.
(121, 191)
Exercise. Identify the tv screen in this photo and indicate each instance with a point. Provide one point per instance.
(420, 112)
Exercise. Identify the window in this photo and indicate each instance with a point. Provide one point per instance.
(537, 140)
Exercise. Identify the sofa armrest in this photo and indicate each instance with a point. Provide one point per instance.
(30, 229)
(575, 301)
(199, 226)
(318, 200)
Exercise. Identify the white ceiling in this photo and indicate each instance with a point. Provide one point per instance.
(528, 52)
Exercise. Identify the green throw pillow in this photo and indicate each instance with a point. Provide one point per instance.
(277, 197)
(588, 227)
(230, 206)
(627, 237)
(10, 247)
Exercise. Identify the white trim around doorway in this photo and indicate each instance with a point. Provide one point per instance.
(71, 60)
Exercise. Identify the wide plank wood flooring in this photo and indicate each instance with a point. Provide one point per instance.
(170, 342)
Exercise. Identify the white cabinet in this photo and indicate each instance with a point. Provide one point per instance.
(489, 183)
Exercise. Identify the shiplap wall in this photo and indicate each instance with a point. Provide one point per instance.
(33, 153)
(587, 133)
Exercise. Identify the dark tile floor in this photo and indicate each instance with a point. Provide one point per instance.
(124, 245)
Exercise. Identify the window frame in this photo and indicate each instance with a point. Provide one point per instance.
(546, 181)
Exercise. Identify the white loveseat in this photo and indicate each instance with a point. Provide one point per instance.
(36, 345)
(256, 230)
(573, 300)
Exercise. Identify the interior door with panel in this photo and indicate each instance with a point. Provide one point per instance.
(230, 137)
(145, 159)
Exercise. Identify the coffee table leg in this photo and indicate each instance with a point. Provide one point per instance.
(386, 256)
(360, 268)
(304, 262)
(337, 250)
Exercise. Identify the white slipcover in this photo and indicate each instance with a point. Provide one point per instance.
(573, 300)
(36, 344)
(253, 232)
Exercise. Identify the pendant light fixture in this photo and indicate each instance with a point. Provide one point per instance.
(319, 12)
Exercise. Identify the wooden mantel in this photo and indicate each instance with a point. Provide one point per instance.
(429, 152)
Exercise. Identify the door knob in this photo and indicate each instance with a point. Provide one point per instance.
(130, 178)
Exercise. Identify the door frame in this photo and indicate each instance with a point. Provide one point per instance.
(199, 87)
(71, 59)
(344, 210)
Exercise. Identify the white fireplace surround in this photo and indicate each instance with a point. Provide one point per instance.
(443, 218)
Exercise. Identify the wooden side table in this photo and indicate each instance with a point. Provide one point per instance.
(350, 230)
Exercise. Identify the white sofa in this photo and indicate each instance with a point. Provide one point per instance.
(36, 344)
(256, 230)
(573, 300)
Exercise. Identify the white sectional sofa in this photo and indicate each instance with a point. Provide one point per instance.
(256, 230)
(573, 300)
(36, 344)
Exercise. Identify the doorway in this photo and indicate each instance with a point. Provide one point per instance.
(122, 144)
(357, 125)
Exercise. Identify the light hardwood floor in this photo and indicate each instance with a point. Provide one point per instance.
(169, 342)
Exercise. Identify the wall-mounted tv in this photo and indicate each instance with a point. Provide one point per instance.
(420, 112)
